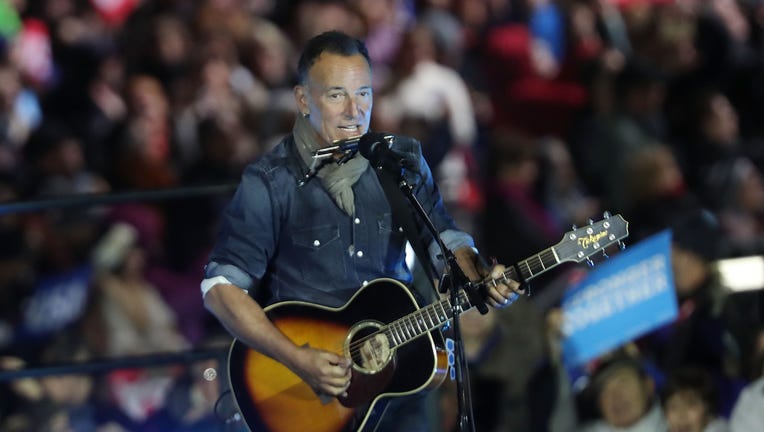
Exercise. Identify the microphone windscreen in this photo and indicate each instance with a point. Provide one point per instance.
(372, 145)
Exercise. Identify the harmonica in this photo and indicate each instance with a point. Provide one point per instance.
(338, 148)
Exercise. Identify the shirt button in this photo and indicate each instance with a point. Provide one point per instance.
(359, 254)
(357, 221)
(400, 229)
(316, 243)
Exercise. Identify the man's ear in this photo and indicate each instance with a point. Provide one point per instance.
(301, 98)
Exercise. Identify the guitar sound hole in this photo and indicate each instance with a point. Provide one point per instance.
(368, 348)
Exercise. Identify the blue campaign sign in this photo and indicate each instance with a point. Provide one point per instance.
(58, 301)
(625, 297)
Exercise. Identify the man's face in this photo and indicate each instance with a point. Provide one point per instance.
(337, 96)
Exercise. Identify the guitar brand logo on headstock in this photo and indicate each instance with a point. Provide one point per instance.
(591, 239)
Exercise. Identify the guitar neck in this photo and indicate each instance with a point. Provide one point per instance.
(439, 313)
(576, 246)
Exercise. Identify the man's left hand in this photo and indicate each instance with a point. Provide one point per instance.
(500, 294)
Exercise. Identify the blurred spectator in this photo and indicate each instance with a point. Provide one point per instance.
(269, 55)
(675, 30)
(563, 192)
(428, 94)
(637, 121)
(312, 17)
(747, 414)
(225, 89)
(624, 397)
(710, 329)
(651, 180)
(56, 402)
(98, 123)
(723, 40)
(227, 93)
(20, 113)
(170, 51)
(735, 190)
(385, 23)
(448, 31)
(515, 222)
(133, 319)
(707, 133)
(432, 102)
(57, 165)
(524, 76)
(689, 402)
(143, 159)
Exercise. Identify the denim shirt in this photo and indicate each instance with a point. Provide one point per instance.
(296, 243)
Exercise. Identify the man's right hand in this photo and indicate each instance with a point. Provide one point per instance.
(326, 372)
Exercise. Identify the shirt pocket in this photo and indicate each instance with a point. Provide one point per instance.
(316, 238)
(320, 252)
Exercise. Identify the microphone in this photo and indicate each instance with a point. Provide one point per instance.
(375, 146)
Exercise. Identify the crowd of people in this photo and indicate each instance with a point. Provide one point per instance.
(534, 115)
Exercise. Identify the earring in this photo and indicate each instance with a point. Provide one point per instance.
(305, 115)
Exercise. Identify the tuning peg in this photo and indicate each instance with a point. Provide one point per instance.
(574, 227)
(589, 262)
(606, 214)
(604, 254)
(621, 245)
(591, 221)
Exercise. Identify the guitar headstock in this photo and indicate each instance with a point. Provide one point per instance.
(581, 243)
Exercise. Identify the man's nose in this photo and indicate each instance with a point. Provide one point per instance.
(351, 107)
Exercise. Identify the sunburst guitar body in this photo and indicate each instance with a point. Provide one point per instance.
(272, 398)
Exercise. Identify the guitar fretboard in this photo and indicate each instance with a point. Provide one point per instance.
(534, 265)
(423, 320)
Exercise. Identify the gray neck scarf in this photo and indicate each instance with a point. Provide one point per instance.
(338, 180)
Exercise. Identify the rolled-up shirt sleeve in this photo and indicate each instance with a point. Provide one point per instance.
(216, 273)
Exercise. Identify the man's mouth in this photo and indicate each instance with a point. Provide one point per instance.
(353, 129)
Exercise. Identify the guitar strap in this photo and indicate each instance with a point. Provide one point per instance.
(403, 215)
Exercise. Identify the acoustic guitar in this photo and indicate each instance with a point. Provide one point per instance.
(395, 345)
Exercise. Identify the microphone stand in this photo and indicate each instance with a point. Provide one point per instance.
(455, 279)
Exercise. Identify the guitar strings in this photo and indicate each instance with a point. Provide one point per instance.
(355, 346)
(407, 323)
